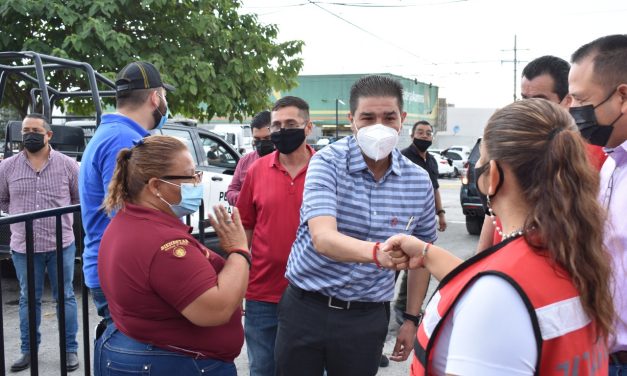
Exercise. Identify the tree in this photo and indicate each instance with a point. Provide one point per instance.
(223, 63)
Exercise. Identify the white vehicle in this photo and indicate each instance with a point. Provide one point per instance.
(444, 167)
(459, 160)
(238, 135)
(464, 150)
(217, 172)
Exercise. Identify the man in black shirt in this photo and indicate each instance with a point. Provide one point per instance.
(422, 134)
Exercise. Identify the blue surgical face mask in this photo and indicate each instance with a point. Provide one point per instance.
(191, 196)
(160, 118)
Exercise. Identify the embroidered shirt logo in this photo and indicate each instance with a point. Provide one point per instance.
(179, 252)
(394, 221)
(174, 243)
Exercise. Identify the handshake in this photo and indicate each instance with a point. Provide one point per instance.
(400, 252)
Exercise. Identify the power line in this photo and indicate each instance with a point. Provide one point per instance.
(370, 33)
(356, 5)
(374, 5)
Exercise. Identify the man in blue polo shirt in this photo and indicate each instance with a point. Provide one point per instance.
(358, 191)
(141, 106)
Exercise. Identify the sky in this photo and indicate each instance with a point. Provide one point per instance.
(465, 47)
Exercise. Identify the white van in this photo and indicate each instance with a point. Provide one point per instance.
(238, 135)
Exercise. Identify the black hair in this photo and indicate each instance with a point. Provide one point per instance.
(609, 57)
(376, 86)
(420, 122)
(553, 66)
(290, 101)
(261, 120)
(41, 117)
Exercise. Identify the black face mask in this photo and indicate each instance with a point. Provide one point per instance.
(264, 147)
(33, 142)
(288, 140)
(422, 145)
(484, 198)
(590, 129)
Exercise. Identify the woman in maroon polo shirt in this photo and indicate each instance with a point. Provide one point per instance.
(175, 304)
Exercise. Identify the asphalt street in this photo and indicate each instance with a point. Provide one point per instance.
(455, 239)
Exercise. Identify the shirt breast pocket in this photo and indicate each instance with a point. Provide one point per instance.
(56, 187)
(402, 224)
(22, 186)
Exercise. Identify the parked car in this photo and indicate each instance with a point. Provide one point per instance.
(465, 150)
(459, 160)
(469, 195)
(445, 166)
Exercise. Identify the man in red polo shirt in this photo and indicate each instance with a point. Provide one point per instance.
(270, 214)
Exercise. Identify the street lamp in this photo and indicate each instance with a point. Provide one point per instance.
(337, 118)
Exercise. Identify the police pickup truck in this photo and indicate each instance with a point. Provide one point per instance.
(72, 138)
(35, 71)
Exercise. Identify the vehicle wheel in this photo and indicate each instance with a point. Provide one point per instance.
(455, 172)
(474, 225)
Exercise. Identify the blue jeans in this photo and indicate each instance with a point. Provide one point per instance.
(43, 261)
(100, 301)
(260, 326)
(618, 369)
(117, 354)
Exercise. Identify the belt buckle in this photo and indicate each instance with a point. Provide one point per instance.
(330, 304)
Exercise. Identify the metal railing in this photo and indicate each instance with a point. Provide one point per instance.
(28, 219)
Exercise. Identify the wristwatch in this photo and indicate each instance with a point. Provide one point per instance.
(441, 211)
(415, 319)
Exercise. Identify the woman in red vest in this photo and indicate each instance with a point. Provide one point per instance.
(538, 303)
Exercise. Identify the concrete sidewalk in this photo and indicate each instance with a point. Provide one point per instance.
(49, 348)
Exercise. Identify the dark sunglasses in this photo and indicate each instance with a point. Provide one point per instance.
(197, 176)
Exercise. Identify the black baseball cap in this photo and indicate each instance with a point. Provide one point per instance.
(139, 75)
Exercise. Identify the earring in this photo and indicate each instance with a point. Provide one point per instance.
(493, 217)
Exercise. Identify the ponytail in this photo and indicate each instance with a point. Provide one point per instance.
(149, 158)
(540, 143)
(118, 187)
(569, 222)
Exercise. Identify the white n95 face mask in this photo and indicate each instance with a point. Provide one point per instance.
(377, 141)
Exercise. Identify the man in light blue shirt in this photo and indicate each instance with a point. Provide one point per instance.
(358, 192)
(141, 105)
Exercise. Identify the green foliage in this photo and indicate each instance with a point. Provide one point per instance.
(222, 63)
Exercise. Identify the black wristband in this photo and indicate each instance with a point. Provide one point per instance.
(412, 318)
(441, 211)
(245, 255)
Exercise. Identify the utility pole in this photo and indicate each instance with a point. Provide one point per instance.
(515, 61)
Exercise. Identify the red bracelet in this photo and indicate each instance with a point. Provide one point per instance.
(374, 255)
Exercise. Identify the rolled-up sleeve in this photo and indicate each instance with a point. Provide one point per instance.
(320, 194)
(426, 228)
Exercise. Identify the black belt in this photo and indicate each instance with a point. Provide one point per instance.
(335, 303)
(619, 357)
